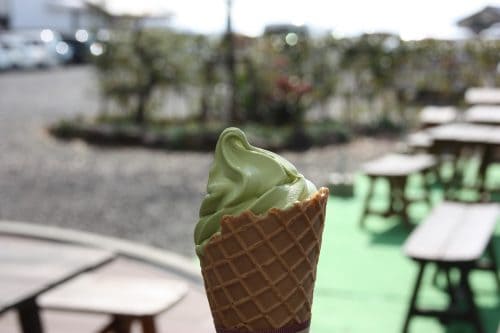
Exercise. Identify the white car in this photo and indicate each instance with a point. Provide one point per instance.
(17, 52)
(5, 58)
(36, 48)
(53, 42)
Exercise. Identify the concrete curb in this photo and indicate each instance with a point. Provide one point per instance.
(172, 262)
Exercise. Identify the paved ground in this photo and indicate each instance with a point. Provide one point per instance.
(147, 196)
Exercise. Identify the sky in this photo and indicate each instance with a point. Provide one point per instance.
(412, 19)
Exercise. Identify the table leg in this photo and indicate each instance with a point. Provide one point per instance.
(426, 186)
(395, 203)
(366, 203)
(456, 181)
(452, 293)
(485, 161)
(29, 317)
(472, 311)
(413, 300)
(399, 187)
(148, 324)
(119, 324)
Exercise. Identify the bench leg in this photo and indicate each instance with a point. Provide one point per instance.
(366, 203)
(413, 300)
(398, 187)
(395, 201)
(494, 263)
(450, 287)
(456, 180)
(426, 186)
(472, 311)
(485, 160)
(119, 324)
(29, 317)
(452, 291)
(148, 324)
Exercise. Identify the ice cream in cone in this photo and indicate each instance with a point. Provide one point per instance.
(258, 240)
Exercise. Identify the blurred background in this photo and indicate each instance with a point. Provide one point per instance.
(110, 110)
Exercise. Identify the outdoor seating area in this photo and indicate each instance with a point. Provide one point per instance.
(396, 169)
(441, 276)
(455, 235)
(363, 273)
(368, 273)
(249, 167)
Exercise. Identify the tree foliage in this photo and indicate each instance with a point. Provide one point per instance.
(138, 66)
(280, 76)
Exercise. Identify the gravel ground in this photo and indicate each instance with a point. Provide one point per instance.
(137, 194)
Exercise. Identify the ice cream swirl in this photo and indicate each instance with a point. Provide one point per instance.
(243, 177)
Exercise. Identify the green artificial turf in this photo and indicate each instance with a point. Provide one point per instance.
(364, 281)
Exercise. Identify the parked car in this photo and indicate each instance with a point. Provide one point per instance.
(36, 48)
(86, 44)
(17, 51)
(5, 57)
(80, 42)
(57, 51)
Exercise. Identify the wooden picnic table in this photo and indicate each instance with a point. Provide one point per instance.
(466, 133)
(482, 95)
(452, 139)
(462, 133)
(395, 168)
(127, 299)
(483, 114)
(30, 267)
(454, 236)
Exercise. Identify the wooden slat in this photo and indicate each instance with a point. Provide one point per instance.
(483, 114)
(128, 296)
(429, 239)
(28, 267)
(420, 139)
(482, 95)
(473, 234)
(453, 232)
(432, 115)
(466, 133)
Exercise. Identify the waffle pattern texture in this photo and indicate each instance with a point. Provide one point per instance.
(259, 271)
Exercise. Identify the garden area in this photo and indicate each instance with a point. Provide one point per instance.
(288, 89)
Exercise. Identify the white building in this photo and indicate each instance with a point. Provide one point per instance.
(64, 16)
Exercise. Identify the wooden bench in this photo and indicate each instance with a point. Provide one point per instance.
(437, 115)
(29, 267)
(482, 95)
(454, 237)
(126, 299)
(395, 168)
(483, 114)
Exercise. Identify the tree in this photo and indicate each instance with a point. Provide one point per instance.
(139, 65)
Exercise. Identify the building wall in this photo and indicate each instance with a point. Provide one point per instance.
(4, 13)
(4, 7)
(40, 14)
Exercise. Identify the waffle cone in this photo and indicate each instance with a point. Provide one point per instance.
(259, 271)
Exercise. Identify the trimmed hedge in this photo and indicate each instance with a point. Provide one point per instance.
(194, 136)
